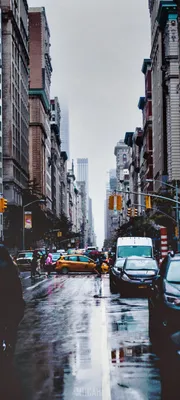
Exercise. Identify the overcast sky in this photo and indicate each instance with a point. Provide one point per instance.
(97, 51)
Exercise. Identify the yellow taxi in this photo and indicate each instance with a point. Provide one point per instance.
(77, 263)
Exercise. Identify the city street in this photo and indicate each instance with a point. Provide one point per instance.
(72, 345)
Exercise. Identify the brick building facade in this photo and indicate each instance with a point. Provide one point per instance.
(15, 116)
(39, 101)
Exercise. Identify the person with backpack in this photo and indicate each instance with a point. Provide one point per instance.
(12, 304)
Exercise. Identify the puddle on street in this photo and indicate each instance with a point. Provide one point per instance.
(131, 353)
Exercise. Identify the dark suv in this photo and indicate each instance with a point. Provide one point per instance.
(133, 275)
(164, 299)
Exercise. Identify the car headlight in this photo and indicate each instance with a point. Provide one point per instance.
(171, 295)
(125, 277)
(169, 298)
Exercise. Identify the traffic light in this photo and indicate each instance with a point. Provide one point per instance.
(111, 202)
(3, 205)
(119, 202)
(148, 202)
(135, 212)
(176, 231)
(129, 212)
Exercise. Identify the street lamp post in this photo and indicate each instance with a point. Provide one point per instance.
(177, 206)
(23, 208)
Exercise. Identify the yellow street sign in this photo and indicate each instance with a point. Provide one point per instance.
(59, 234)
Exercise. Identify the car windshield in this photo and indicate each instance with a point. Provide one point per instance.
(127, 251)
(173, 274)
(55, 256)
(25, 255)
(140, 264)
(119, 263)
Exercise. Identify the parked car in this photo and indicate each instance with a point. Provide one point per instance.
(114, 275)
(71, 251)
(77, 263)
(61, 251)
(24, 259)
(164, 299)
(136, 273)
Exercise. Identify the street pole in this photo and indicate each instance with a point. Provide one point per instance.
(23, 230)
(177, 213)
(23, 227)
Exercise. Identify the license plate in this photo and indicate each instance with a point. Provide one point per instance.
(142, 286)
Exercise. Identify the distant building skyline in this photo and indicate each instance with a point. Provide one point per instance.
(83, 176)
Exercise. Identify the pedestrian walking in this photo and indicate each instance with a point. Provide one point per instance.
(42, 261)
(35, 265)
(48, 263)
(98, 278)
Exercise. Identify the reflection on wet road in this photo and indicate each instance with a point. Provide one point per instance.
(72, 345)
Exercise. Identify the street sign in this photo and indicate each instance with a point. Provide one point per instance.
(59, 234)
(176, 231)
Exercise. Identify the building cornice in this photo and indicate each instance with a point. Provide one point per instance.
(146, 63)
(42, 95)
(166, 8)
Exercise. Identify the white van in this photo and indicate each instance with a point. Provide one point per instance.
(134, 246)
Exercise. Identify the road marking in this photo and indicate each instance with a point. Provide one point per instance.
(36, 285)
(106, 390)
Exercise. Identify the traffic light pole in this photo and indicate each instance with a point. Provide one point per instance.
(177, 202)
(156, 209)
(177, 212)
(154, 195)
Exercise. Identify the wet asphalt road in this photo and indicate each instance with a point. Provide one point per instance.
(72, 345)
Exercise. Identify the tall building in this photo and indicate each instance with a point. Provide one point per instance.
(65, 130)
(39, 101)
(83, 176)
(112, 179)
(55, 156)
(84, 226)
(121, 153)
(90, 224)
(82, 170)
(165, 90)
(63, 183)
(145, 104)
(15, 114)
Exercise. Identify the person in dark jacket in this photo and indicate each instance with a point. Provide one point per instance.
(34, 264)
(11, 299)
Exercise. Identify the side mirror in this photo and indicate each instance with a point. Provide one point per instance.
(157, 277)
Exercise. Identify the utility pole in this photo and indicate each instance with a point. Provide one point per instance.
(177, 213)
